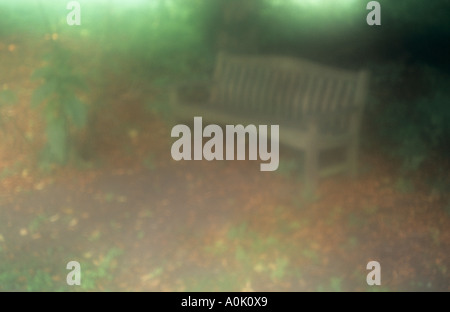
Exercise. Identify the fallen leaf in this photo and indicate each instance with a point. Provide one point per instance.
(122, 199)
(73, 222)
(248, 287)
(54, 218)
(39, 186)
(67, 210)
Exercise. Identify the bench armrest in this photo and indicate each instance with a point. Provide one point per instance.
(323, 116)
(315, 121)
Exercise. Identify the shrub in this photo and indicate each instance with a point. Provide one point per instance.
(63, 110)
(411, 112)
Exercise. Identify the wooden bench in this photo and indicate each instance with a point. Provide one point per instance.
(317, 107)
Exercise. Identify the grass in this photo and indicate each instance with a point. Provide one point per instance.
(12, 170)
(223, 282)
(334, 285)
(93, 273)
(253, 254)
(44, 274)
(37, 223)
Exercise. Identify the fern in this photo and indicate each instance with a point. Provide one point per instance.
(63, 110)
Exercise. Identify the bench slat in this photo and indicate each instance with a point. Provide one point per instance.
(283, 88)
(317, 107)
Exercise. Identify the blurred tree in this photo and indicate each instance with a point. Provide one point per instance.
(238, 30)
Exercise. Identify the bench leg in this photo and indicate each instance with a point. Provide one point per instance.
(311, 169)
(352, 157)
(352, 148)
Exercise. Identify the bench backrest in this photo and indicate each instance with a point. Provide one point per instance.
(284, 88)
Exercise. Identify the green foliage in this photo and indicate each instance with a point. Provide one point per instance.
(410, 111)
(38, 280)
(37, 223)
(92, 274)
(12, 170)
(158, 271)
(7, 97)
(36, 274)
(30, 274)
(421, 285)
(334, 285)
(311, 255)
(63, 110)
(163, 39)
(221, 282)
(161, 107)
(279, 270)
(250, 251)
(238, 231)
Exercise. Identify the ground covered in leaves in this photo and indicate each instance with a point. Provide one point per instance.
(138, 221)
